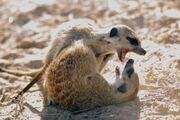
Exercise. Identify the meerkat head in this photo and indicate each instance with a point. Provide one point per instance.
(128, 69)
(125, 40)
(128, 75)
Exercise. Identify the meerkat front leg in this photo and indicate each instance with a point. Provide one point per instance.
(104, 60)
(119, 81)
(47, 99)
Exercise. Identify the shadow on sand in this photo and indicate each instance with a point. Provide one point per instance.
(126, 111)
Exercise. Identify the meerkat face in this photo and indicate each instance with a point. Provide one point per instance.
(128, 69)
(127, 75)
(125, 40)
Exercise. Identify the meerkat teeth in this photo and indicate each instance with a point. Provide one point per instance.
(122, 54)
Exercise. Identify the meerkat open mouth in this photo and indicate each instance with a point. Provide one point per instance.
(122, 54)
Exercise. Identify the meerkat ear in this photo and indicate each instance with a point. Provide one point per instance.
(113, 32)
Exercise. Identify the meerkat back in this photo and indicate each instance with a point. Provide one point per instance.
(65, 34)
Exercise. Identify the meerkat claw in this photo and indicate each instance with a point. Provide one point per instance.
(117, 69)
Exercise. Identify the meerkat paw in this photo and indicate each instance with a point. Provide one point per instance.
(118, 81)
(49, 101)
(117, 70)
(118, 76)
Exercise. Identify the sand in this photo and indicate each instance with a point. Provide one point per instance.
(25, 33)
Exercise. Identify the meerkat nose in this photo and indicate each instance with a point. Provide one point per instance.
(130, 61)
(129, 64)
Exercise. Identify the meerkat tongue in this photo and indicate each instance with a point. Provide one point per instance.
(122, 54)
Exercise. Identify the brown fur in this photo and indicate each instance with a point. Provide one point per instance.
(73, 79)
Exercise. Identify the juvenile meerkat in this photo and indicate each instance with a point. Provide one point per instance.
(124, 39)
(74, 81)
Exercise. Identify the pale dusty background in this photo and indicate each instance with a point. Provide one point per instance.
(25, 33)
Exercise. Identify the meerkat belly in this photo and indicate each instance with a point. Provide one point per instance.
(66, 77)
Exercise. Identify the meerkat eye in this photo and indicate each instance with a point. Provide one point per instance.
(113, 32)
(133, 41)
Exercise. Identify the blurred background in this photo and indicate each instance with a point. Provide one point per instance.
(25, 33)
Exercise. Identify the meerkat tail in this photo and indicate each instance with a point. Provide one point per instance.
(33, 81)
(20, 73)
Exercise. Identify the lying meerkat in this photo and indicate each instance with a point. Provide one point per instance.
(74, 81)
(124, 39)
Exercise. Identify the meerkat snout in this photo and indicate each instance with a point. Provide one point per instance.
(136, 46)
(127, 73)
(129, 68)
(139, 50)
(129, 63)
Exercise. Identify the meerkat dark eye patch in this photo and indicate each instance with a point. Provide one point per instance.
(133, 41)
(130, 72)
(113, 32)
(122, 88)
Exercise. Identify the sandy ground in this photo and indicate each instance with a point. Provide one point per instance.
(25, 33)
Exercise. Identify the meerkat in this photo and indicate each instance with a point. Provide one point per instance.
(122, 37)
(73, 79)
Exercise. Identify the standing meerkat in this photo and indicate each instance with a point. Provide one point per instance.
(124, 39)
(74, 81)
